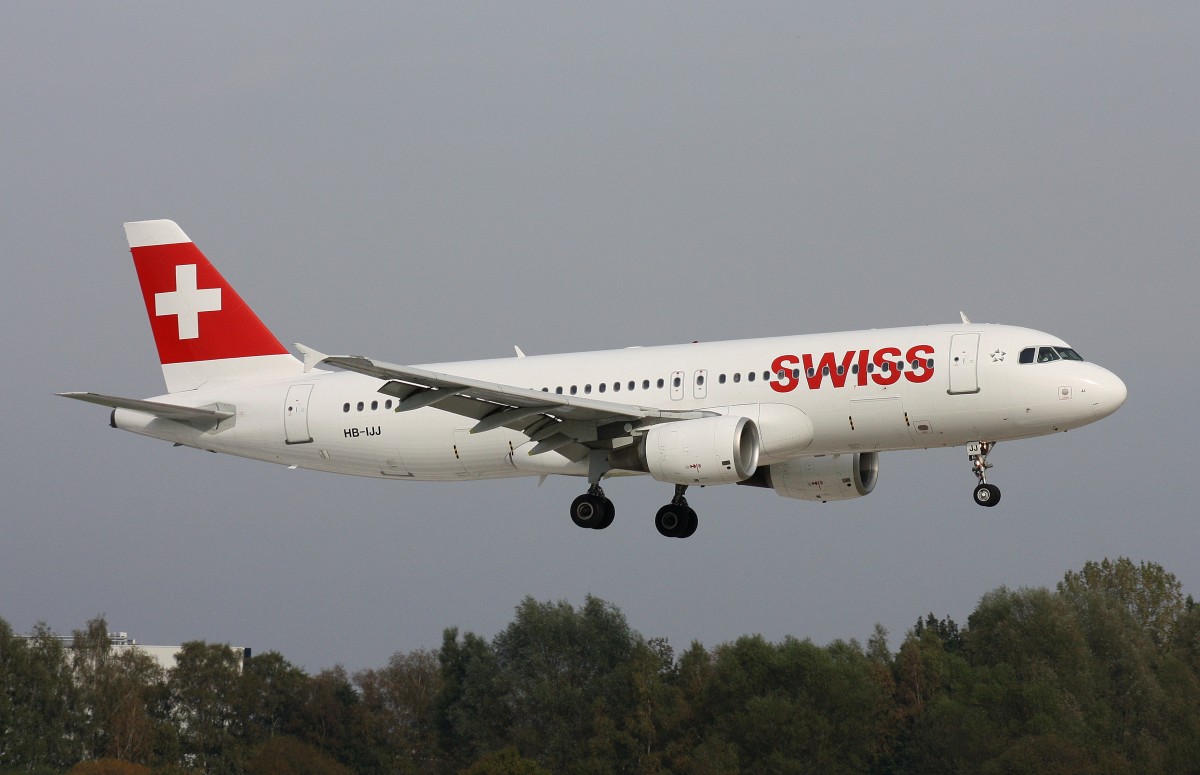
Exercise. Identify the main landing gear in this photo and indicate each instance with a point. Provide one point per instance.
(985, 494)
(676, 519)
(593, 510)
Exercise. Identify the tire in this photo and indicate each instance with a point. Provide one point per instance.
(689, 526)
(587, 511)
(670, 519)
(610, 513)
(987, 495)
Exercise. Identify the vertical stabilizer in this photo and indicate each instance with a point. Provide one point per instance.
(203, 330)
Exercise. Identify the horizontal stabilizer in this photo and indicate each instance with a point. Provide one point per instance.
(193, 415)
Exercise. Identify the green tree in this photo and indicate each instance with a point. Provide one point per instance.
(797, 707)
(271, 691)
(203, 692)
(1152, 596)
(116, 691)
(40, 728)
(472, 714)
(562, 675)
(283, 755)
(333, 719)
(399, 703)
(506, 761)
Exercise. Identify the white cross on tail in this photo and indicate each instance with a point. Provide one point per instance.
(187, 301)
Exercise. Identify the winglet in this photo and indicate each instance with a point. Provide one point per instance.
(964, 317)
(520, 352)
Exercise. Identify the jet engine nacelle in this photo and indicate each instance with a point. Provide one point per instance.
(711, 450)
(822, 478)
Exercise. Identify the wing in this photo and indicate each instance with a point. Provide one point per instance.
(200, 416)
(569, 424)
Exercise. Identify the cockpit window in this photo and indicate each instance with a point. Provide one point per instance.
(1047, 354)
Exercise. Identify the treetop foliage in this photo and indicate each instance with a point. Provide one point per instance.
(1100, 675)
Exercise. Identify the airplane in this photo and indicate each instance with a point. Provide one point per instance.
(806, 416)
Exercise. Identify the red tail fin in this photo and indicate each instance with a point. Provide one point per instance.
(203, 330)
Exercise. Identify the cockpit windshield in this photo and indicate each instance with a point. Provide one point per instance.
(1049, 353)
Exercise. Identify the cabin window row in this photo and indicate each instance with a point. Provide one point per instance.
(722, 379)
(361, 406)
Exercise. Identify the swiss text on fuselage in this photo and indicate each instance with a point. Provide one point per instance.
(884, 366)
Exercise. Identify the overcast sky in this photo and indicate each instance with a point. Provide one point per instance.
(443, 181)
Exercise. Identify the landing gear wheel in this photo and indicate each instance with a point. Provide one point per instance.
(670, 518)
(592, 510)
(610, 513)
(676, 521)
(692, 523)
(987, 495)
(588, 510)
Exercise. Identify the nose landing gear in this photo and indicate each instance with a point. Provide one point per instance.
(985, 494)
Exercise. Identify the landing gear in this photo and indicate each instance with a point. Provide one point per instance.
(593, 510)
(676, 519)
(985, 494)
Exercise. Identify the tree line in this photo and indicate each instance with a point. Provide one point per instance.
(1100, 675)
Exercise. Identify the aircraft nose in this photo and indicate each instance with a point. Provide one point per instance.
(1108, 395)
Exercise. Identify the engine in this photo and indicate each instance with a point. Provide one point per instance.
(711, 450)
(821, 478)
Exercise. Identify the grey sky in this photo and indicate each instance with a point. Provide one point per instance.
(443, 181)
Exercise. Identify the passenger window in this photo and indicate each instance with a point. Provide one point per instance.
(587, 388)
(795, 373)
(854, 368)
(387, 404)
(360, 406)
(841, 369)
(558, 390)
(766, 376)
(574, 389)
(737, 376)
(812, 372)
(1027, 355)
(660, 383)
(616, 387)
(721, 379)
(374, 406)
(676, 382)
(750, 377)
(646, 384)
(603, 386)
(632, 384)
(700, 379)
(824, 371)
(345, 407)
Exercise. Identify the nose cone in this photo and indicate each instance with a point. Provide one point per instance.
(1108, 393)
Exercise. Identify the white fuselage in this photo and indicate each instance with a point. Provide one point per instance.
(958, 384)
